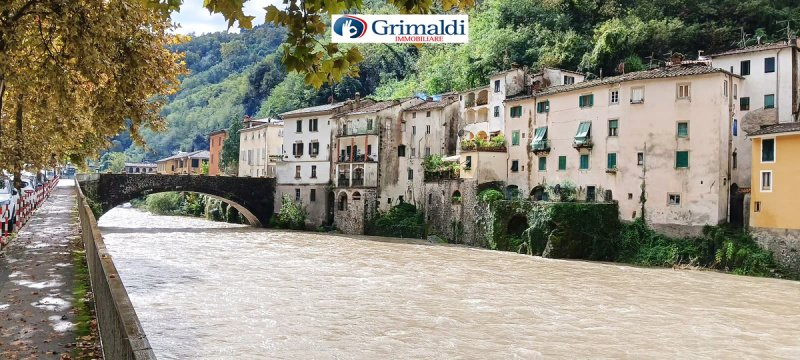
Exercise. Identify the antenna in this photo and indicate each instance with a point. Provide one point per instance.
(788, 28)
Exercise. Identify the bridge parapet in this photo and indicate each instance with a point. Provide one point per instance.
(252, 197)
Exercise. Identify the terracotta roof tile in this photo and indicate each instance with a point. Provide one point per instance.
(777, 129)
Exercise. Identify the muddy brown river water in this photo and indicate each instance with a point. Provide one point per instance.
(208, 290)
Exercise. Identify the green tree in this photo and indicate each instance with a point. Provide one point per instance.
(229, 159)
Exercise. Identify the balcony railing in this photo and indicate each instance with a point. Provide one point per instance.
(356, 132)
(345, 182)
(540, 146)
(487, 148)
(357, 159)
(442, 175)
(584, 143)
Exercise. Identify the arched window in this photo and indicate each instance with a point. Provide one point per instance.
(456, 198)
(356, 196)
(343, 201)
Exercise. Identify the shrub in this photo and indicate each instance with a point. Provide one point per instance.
(167, 203)
(490, 195)
(291, 215)
(403, 220)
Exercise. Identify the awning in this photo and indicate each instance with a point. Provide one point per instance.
(583, 130)
(540, 134)
(454, 158)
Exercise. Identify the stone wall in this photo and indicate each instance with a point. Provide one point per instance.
(120, 331)
(450, 219)
(317, 209)
(353, 217)
(784, 244)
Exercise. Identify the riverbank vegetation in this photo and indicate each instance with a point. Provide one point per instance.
(291, 216)
(189, 204)
(403, 220)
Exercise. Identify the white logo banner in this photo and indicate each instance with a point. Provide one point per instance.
(400, 29)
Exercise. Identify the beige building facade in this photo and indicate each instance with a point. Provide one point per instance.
(260, 147)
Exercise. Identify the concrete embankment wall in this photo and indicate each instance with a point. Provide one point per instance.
(120, 331)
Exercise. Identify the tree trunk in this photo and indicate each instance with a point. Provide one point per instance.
(18, 163)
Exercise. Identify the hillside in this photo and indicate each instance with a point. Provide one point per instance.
(237, 74)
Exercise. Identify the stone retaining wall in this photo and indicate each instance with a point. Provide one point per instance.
(784, 244)
(120, 331)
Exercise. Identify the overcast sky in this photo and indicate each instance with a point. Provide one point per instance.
(194, 18)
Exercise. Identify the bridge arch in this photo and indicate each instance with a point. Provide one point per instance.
(252, 197)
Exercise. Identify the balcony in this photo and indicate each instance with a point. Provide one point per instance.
(583, 143)
(345, 182)
(487, 146)
(360, 158)
(431, 176)
(356, 132)
(540, 146)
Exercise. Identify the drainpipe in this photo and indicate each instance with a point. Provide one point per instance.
(778, 83)
(730, 148)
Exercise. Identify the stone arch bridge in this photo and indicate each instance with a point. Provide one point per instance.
(252, 197)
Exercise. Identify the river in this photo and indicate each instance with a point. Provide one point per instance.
(210, 290)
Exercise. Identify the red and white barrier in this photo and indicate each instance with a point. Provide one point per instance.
(26, 205)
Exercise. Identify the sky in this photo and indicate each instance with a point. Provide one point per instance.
(194, 18)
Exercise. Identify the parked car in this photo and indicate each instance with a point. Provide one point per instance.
(8, 202)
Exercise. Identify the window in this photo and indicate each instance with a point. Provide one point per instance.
(427, 129)
(514, 165)
(497, 86)
(427, 114)
(468, 163)
(413, 130)
(674, 199)
(401, 151)
(515, 138)
(542, 163)
(735, 91)
(313, 125)
(583, 136)
(369, 124)
(569, 80)
(725, 88)
(313, 171)
(586, 100)
(313, 148)
(683, 90)
(312, 195)
(637, 95)
(516, 111)
(640, 158)
(297, 195)
(734, 160)
(744, 103)
(769, 101)
(299, 126)
(427, 151)
(195, 163)
(543, 106)
(683, 129)
(540, 139)
(297, 149)
(410, 174)
(413, 152)
(769, 65)
(357, 196)
(343, 202)
(612, 127)
(591, 193)
(414, 115)
(612, 161)
(681, 159)
(744, 68)
(584, 164)
(297, 172)
(767, 150)
(735, 129)
(562, 162)
(757, 208)
(496, 111)
(614, 97)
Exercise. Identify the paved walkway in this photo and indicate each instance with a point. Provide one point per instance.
(36, 280)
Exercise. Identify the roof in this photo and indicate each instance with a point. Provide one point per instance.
(201, 154)
(754, 48)
(262, 125)
(378, 106)
(133, 164)
(660, 73)
(313, 109)
(217, 132)
(777, 129)
(427, 105)
(474, 89)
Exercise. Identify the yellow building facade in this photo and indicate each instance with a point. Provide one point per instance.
(776, 174)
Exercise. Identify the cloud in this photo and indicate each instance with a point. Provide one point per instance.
(194, 18)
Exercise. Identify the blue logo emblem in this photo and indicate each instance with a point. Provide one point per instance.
(350, 27)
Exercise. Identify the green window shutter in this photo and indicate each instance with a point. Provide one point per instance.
(591, 100)
(562, 162)
(683, 129)
(681, 159)
(584, 161)
(580, 101)
(769, 101)
(767, 150)
(744, 103)
(542, 163)
(612, 160)
(515, 137)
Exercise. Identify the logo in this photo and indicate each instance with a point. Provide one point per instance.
(350, 27)
(400, 29)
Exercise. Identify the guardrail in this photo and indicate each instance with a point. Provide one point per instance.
(14, 218)
(121, 333)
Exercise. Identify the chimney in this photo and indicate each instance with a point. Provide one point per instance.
(358, 99)
(676, 59)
